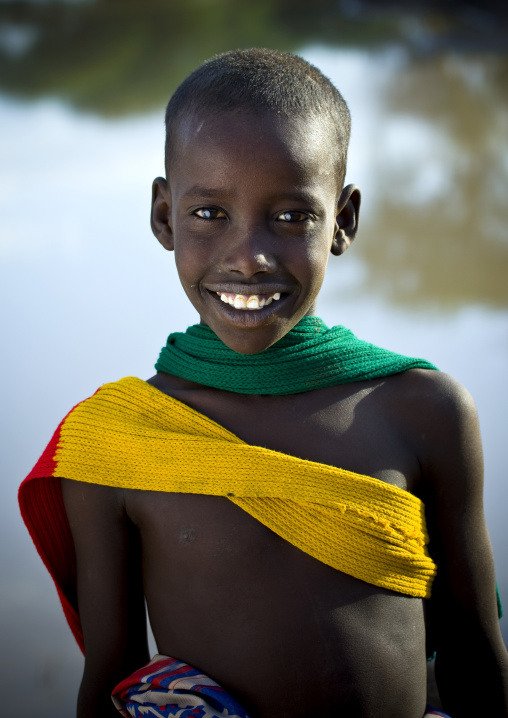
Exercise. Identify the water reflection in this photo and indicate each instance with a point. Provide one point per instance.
(443, 156)
(91, 295)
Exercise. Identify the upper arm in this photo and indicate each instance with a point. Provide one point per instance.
(452, 465)
(110, 591)
(464, 597)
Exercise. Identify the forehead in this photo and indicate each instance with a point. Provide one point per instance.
(260, 143)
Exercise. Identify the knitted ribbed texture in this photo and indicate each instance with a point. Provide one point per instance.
(131, 435)
(43, 511)
(310, 356)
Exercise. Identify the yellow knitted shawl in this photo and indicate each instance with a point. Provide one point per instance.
(131, 435)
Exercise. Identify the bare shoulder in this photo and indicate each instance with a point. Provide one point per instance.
(441, 420)
(87, 504)
(436, 392)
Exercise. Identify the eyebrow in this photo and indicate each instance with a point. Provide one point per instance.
(211, 193)
(300, 196)
(303, 197)
(208, 192)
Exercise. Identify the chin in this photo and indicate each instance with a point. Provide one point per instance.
(248, 345)
(252, 332)
(249, 341)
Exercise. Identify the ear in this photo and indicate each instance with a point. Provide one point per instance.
(160, 217)
(346, 223)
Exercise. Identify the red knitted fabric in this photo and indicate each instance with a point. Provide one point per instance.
(43, 511)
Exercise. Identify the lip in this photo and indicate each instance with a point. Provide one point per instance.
(248, 289)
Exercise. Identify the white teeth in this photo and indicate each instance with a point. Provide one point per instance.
(240, 301)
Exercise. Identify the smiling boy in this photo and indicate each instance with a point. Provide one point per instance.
(268, 492)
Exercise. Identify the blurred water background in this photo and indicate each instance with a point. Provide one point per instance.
(89, 296)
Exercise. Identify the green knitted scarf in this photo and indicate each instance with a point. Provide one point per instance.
(310, 356)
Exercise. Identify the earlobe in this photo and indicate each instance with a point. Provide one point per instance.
(346, 222)
(160, 217)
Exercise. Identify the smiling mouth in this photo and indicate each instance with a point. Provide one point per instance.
(248, 301)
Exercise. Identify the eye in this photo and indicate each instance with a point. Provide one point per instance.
(293, 216)
(209, 213)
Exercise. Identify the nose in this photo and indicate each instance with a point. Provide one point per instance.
(249, 252)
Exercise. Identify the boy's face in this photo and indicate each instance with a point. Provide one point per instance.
(251, 210)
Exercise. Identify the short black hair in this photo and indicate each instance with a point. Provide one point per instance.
(259, 81)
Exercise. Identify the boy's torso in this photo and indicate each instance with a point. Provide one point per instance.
(271, 624)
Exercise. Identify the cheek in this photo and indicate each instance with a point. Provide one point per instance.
(317, 260)
(189, 264)
(193, 251)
